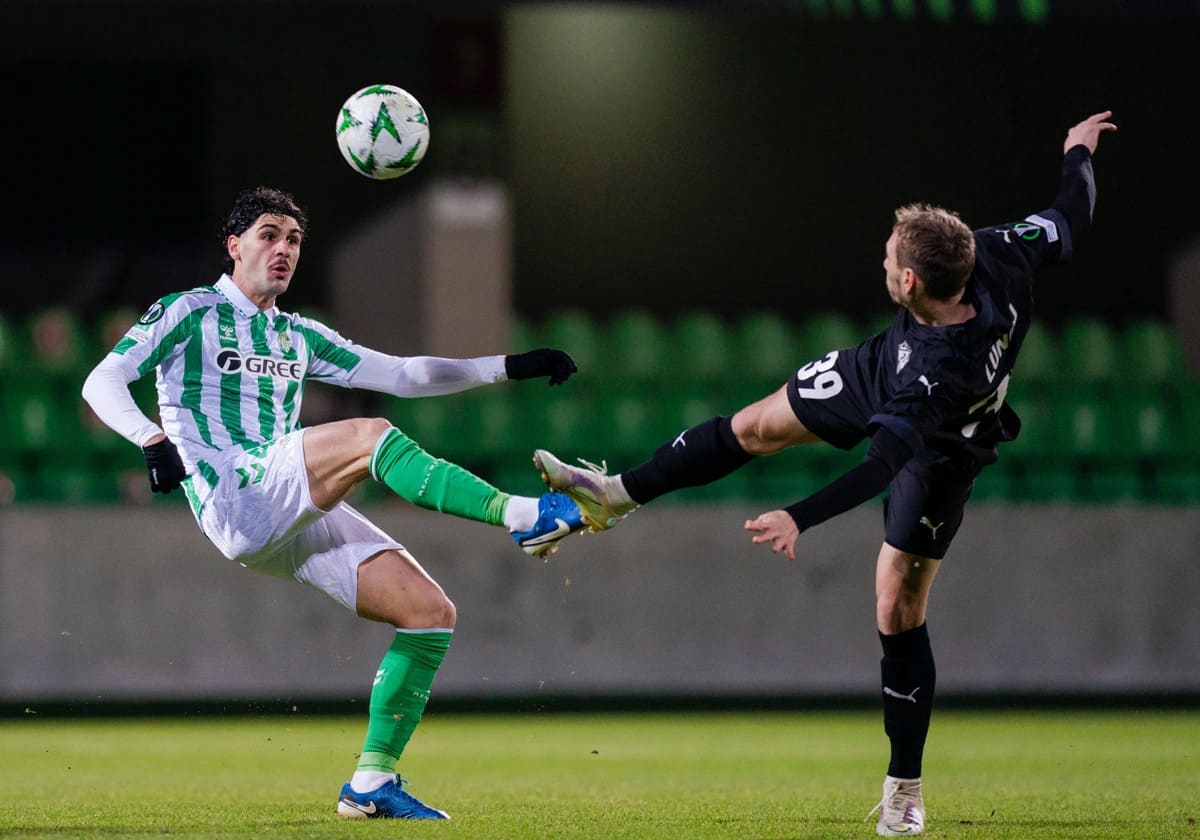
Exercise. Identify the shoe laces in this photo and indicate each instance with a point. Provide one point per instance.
(907, 795)
(598, 469)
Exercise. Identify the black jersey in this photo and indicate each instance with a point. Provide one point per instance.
(944, 387)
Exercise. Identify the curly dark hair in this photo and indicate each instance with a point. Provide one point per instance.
(251, 204)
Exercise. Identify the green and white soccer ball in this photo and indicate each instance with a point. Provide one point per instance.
(382, 131)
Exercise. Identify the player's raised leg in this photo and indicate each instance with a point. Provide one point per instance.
(341, 454)
(700, 455)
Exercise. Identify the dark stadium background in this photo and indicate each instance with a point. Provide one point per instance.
(716, 147)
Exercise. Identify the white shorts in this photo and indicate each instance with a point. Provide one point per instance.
(255, 507)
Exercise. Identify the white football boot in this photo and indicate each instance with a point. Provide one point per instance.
(902, 809)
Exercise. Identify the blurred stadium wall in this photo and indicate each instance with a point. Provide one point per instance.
(100, 606)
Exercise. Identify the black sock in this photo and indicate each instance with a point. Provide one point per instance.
(909, 677)
(700, 455)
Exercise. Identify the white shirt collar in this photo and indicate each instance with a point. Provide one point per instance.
(240, 302)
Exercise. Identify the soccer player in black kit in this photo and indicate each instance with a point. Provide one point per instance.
(928, 392)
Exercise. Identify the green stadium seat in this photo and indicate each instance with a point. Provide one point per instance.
(765, 349)
(1151, 354)
(565, 423)
(39, 412)
(1149, 425)
(1090, 433)
(700, 348)
(1039, 359)
(628, 426)
(109, 329)
(433, 422)
(576, 333)
(1086, 425)
(995, 484)
(1034, 465)
(827, 331)
(638, 349)
(1090, 351)
(487, 422)
(58, 341)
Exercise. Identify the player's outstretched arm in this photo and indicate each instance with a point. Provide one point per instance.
(1087, 132)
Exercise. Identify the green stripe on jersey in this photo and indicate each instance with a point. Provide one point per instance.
(190, 397)
(231, 383)
(326, 350)
(289, 353)
(179, 333)
(266, 384)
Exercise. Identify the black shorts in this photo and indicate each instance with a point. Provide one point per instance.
(834, 398)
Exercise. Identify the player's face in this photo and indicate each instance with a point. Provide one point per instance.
(265, 257)
(893, 275)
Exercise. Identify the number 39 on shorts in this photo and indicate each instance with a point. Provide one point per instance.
(825, 383)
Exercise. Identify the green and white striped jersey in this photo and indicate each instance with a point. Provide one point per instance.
(229, 374)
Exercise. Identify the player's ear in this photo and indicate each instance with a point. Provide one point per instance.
(908, 280)
(233, 246)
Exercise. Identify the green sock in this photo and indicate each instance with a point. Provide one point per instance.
(400, 693)
(433, 483)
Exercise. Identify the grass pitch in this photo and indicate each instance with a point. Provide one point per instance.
(1127, 774)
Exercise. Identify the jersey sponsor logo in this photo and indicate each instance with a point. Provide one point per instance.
(152, 314)
(903, 354)
(231, 361)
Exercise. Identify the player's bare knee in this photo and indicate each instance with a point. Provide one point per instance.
(364, 433)
(747, 428)
(437, 611)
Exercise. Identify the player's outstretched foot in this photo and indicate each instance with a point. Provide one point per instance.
(388, 801)
(601, 498)
(902, 809)
(558, 516)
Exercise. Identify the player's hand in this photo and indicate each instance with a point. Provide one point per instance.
(545, 361)
(1087, 133)
(164, 465)
(777, 528)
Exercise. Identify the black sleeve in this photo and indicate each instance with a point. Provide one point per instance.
(1076, 197)
(886, 455)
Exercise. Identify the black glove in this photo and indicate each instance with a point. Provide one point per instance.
(165, 466)
(545, 361)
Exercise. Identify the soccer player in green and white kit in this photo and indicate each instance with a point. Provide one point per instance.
(231, 369)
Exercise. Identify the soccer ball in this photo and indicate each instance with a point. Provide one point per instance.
(382, 131)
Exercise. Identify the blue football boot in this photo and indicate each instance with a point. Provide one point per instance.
(388, 801)
(558, 516)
